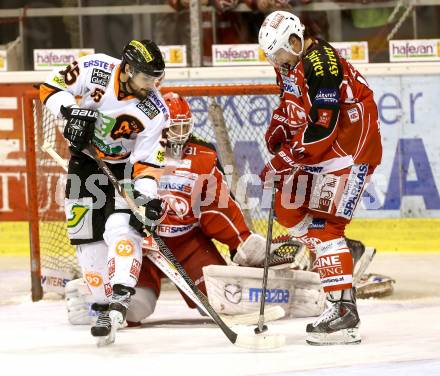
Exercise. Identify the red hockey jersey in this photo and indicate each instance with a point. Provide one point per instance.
(330, 103)
(197, 195)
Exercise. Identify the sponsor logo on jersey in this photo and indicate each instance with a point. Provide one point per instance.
(327, 96)
(111, 267)
(289, 86)
(77, 214)
(329, 266)
(233, 293)
(135, 269)
(108, 289)
(169, 230)
(312, 169)
(176, 184)
(353, 190)
(99, 64)
(160, 156)
(93, 279)
(159, 104)
(175, 205)
(314, 58)
(324, 117)
(148, 108)
(317, 224)
(353, 115)
(100, 77)
(324, 193)
(332, 61)
(59, 80)
(124, 248)
(272, 295)
(125, 125)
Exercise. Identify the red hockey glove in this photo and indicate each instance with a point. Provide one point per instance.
(278, 133)
(281, 164)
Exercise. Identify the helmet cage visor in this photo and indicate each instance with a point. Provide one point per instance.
(180, 129)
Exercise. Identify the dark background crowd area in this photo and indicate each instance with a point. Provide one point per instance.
(237, 21)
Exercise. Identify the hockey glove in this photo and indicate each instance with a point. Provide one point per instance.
(279, 166)
(152, 208)
(279, 132)
(80, 126)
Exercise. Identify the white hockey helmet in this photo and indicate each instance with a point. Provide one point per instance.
(276, 30)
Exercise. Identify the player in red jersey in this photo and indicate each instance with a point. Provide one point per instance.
(326, 144)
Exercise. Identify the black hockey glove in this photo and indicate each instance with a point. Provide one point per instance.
(153, 209)
(80, 126)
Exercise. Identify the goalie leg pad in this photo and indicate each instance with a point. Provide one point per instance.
(142, 304)
(78, 302)
(236, 290)
(252, 251)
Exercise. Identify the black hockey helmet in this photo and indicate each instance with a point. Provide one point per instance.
(144, 56)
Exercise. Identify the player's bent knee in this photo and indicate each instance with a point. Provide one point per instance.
(142, 304)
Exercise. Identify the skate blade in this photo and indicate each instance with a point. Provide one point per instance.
(116, 321)
(341, 337)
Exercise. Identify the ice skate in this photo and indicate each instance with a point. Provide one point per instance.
(102, 328)
(339, 323)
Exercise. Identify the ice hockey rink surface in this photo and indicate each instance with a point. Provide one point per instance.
(401, 334)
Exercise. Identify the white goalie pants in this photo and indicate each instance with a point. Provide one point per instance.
(116, 260)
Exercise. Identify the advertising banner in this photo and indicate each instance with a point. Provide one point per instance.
(3, 61)
(50, 59)
(355, 52)
(237, 54)
(174, 56)
(414, 50)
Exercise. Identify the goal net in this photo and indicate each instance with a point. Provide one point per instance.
(233, 117)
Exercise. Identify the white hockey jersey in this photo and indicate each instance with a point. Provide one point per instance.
(127, 129)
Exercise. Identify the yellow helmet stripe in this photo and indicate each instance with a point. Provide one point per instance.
(141, 48)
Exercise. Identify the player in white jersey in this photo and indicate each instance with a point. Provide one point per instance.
(114, 105)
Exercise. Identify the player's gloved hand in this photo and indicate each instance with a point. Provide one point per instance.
(80, 126)
(279, 132)
(280, 165)
(152, 208)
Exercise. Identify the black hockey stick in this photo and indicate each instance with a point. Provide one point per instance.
(243, 340)
(261, 327)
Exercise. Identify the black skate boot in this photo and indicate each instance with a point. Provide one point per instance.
(119, 302)
(103, 325)
(339, 323)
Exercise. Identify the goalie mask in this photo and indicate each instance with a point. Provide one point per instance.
(275, 33)
(145, 67)
(181, 123)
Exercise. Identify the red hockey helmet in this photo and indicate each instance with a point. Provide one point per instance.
(181, 121)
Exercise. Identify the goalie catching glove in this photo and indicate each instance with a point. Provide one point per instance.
(152, 209)
(80, 126)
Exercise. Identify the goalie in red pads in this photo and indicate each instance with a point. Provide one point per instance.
(326, 144)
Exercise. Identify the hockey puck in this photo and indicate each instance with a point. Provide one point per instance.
(263, 329)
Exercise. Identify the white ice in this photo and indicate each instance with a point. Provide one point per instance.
(401, 335)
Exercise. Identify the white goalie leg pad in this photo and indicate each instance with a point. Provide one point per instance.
(92, 258)
(78, 301)
(236, 290)
(252, 251)
(142, 304)
(124, 250)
